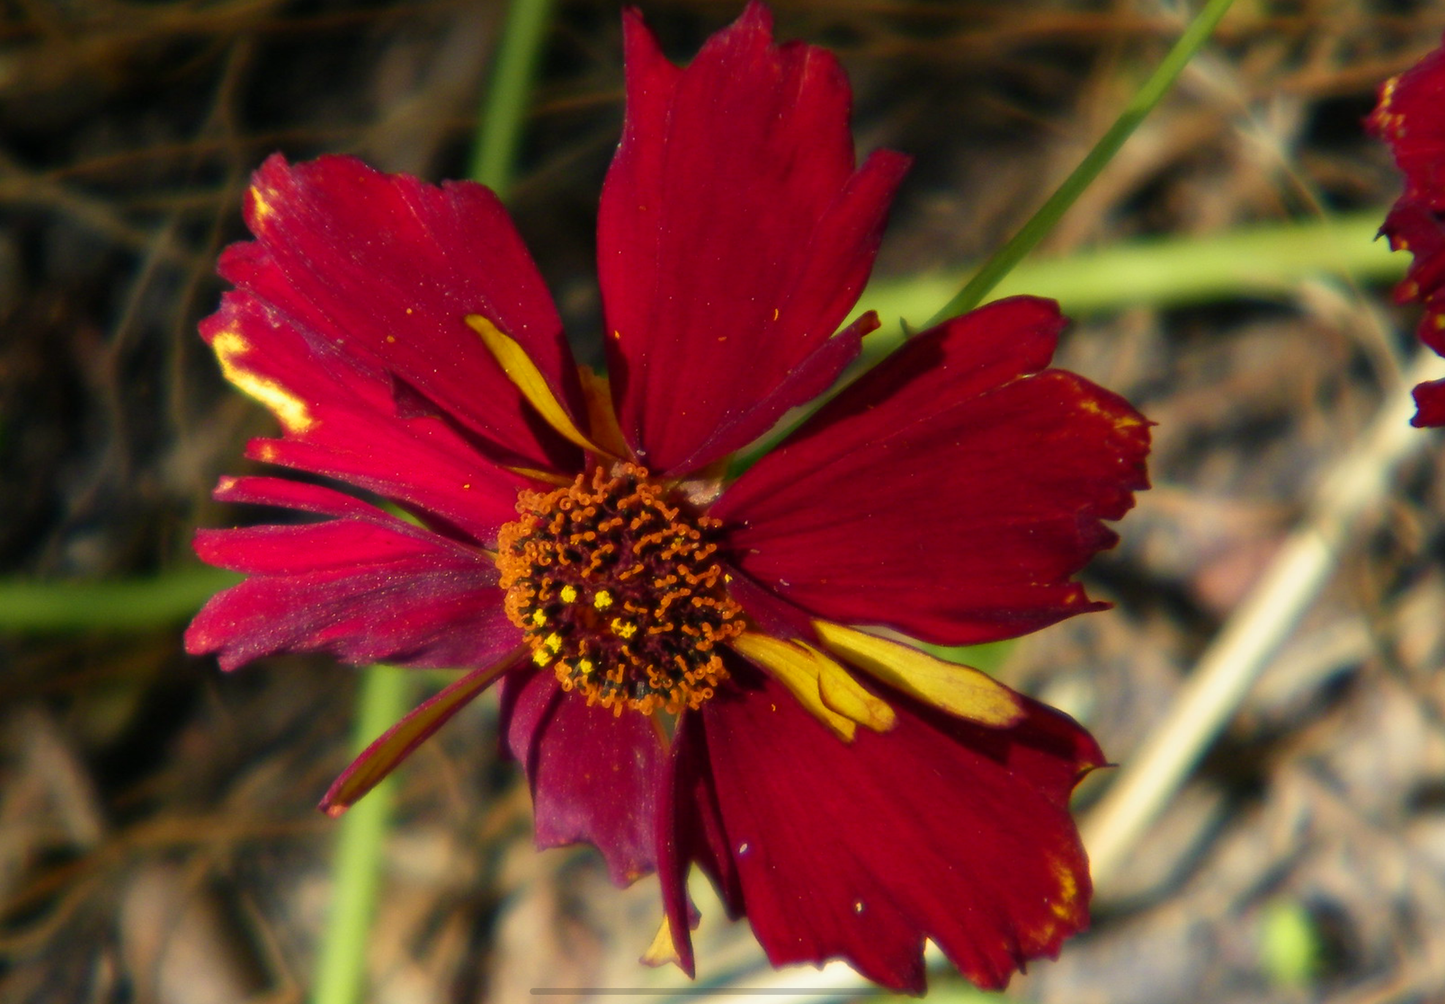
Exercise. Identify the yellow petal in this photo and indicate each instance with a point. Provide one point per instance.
(820, 684)
(662, 950)
(529, 380)
(959, 690)
(846, 696)
(601, 415)
(793, 668)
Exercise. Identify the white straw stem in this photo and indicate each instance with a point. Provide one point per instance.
(1357, 483)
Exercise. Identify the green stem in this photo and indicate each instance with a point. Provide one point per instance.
(341, 968)
(495, 155)
(1143, 102)
(356, 869)
(117, 605)
(1267, 260)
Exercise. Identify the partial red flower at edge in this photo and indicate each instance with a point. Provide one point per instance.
(692, 669)
(1410, 118)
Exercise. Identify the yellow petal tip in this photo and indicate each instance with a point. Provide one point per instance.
(957, 689)
(524, 374)
(662, 950)
(821, 685)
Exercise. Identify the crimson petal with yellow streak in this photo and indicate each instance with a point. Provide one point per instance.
(938, 829)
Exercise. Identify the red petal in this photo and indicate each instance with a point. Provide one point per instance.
(1411, 119)
(386, 268)
(1412, 225)
(398, 742)
(769, 611)
(952, 492)
(352, 431)
(594, 775)
(690, 829)
(734, 237)
(938, 829)
(297, 495)
(364, 587)
(1430, 404)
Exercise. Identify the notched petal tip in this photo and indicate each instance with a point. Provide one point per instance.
(887, 852)
(259, 203)
(1429, 404)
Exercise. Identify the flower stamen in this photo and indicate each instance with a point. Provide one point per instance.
(616, 586)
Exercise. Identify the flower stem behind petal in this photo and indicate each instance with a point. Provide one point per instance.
(356, 868)
(341, 965)
(500, 128)
(112, 605)
(1143, 102)
(395, 745)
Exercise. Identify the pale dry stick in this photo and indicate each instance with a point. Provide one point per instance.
(828, 984)
(1259, 626)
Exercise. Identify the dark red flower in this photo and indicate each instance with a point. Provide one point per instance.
(694, 669)
(1411, 119)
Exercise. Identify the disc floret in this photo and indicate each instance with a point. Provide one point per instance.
(616, 586)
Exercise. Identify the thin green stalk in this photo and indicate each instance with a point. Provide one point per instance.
(341, 968)
(356, 868)
(1064, 196)
(117, 605)
(495, 155)
(1266, 260)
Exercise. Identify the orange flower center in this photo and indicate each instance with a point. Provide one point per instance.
(615, 585)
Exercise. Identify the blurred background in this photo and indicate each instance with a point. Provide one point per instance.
(158, 833)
